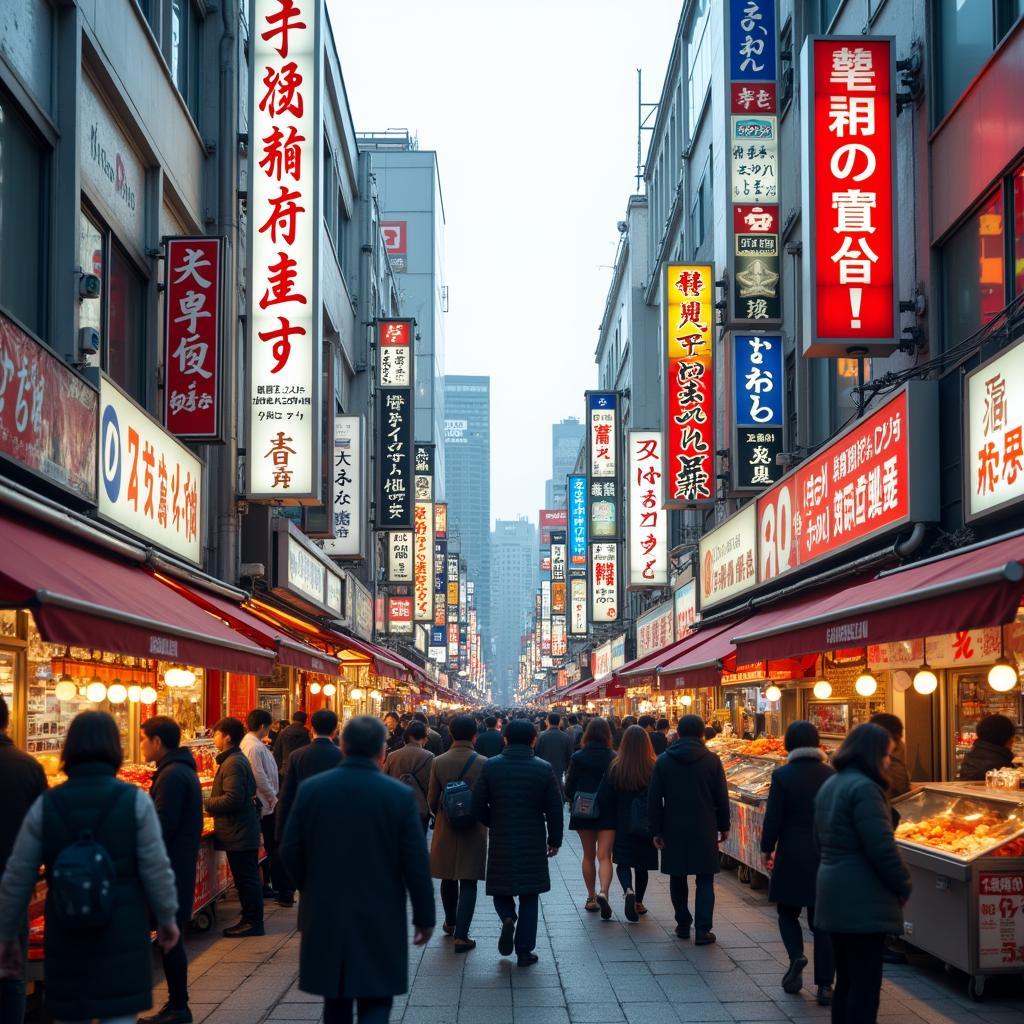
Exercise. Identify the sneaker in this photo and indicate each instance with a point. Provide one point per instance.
(683, 932)
(527, 959)
(464, 945)
(244, 930)
(793, 979)
(824, 995)
(704, 939)
(606, 907)
(286, 901)
(631, 913)
(507, 937)
(168, 1015)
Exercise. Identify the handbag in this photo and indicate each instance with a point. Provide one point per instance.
(639, 823)
(584, 806)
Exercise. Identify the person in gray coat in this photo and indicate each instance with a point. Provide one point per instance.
(862, 880)
(556, 747)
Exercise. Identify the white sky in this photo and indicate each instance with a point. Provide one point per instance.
(531, 107)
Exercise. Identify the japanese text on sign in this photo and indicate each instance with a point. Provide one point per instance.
(394, 341)
(601, 408)
(347, 485)
(648, 521)
(655, 629)
(604, 582)
(577, 516)
(423, 562)
(758, 389)
(394, 464)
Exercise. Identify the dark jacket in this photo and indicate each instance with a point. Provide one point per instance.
(316, 757)
(899, 776)
(289, 740)
(396, 739)
(629, 850)
(555, 747)
(862, 877)
(587, 768)
(456, 853)
(789, 827)
(435, 742)
(232, 803)
(178, 798)
(411, 765)
(354, 845)
(983, 757)
(22, 779)
(688, 805)
(515, 795)
(659, 741)
(490, 743)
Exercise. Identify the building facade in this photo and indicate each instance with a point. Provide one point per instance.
(566, 441)
(514, 579)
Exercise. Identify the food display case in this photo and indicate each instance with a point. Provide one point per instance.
(964, 845)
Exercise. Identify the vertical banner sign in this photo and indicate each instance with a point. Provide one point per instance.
(558, 548)
(394, 458)
(604, 582)
(602, 462)
(758, 390)
(440, 576)
(423, 466)
(394, 341)
(347, 504)
(848, 125)
(400, 616)
(283, 430)
(192, 333)
(577, 606)
(577, 523)
(400, 552)
(441, 520)
(690, 386)
(752, 67)
(423, 562)
(648, 522)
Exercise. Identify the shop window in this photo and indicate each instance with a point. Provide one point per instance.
(23, 222)
(827, 10)
(184, 56)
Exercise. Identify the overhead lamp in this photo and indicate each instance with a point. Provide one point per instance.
(179, 677)
(96, 692)
(314, 688)
(330, 689)
(925, 680)
(376, 695)
(1002, 676)
(822, 689)
(148, 695)
(866, 684)
(117, 693)
(687, 700)
(772, 693)
(357, 693)
(66, 689)
(134, 693)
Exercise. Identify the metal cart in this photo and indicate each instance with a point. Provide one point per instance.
(748, 778)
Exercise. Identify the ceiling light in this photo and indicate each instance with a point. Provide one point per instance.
(134, 693)
(866, 684)
(314, 688)
(1002, 676)
(179, 677)
(357, 693)
(96, 692)
(687, 700)
(66, 689)
(925, 680)
(118, 693)
(772, 693)
(148, 695)
(330, 689)
(823, 689)
(375, 695)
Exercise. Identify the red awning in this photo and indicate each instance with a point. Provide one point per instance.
(969, 589)
(698, 660)
(80, 596)
(648, 664)
(385, 662)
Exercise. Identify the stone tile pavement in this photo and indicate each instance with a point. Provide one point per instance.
(590, 971)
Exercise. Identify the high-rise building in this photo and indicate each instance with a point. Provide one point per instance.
(566, 441)
(514, 578)
(467, 476)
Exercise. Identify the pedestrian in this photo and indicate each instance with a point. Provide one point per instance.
(395, 732)
(410, 764)
(353, 844)
(233, 805)
(294, 736)
(22, 779)
(616, 727)
(624, 791)
(575, 731)
(98, 967)
(434, 742)
(264, 770)
(490, 743)
(590, 817)
(319, 756)
(992, 749)
(688, 808)
(275, 730)
(458, 849)
(444, 728)
(517, 798)
(862, 881)
(178, 799)
(659, 738)
(791, 855)
(899, 776)
(555, 747)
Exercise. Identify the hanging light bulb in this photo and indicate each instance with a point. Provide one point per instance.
(118, 693)
(314, 688)
(1002, 676)
(375, 695)
(823, 689)
(134, 693)
(95, 692)
(925, 680)
(866, 684)
(148, 695)
(66, 689)
(772, 693)
(357, 693)
(179, 677)
(687, 700)
(330, 689)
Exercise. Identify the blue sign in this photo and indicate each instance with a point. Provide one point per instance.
(758, 380)
(601, 400)
(752, 41)
(438, 636)
(577, 539)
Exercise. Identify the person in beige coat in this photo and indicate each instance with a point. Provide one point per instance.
(457, 857)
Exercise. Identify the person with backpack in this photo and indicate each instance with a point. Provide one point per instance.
(623, 795)
(106, 871)
(458, 849)
(410, 764)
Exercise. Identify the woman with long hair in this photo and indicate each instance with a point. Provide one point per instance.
(594, 824)
(862, 881)
(624, 792)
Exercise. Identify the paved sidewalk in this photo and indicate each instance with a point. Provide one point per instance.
(590, 972)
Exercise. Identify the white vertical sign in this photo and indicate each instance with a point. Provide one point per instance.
(648, 521)
(347, 484)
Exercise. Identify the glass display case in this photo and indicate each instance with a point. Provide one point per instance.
(749, 778)
(973, 700)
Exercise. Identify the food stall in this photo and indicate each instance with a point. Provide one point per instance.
(964, 845)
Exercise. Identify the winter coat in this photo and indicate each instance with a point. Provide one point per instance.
(587, 767)
(983, 757)
(688, 805)
(22, 779)
(354, 846)
(412, 761)
(555, 747)
(456, 853)
(233, 804)
(435, 742)
(490, 743)
(629, 850)
(178, 799)
(515, 796)
(659, 741)
(861, 878)
(264, 771)
(788, 829)
(295, 736)
(319, 756)
(899, 777)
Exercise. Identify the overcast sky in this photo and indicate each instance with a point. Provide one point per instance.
(531, 107)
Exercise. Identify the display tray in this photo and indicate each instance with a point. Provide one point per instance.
(749, 778)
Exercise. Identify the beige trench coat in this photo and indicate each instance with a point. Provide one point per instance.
(455, 854)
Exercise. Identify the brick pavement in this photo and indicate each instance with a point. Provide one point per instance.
(590, 971)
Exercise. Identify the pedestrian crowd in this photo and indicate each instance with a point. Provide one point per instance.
(342, 820)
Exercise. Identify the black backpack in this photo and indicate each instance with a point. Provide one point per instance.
(457, 800)
(82, 876)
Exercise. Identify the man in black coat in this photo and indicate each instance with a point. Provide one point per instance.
(22, 779)
(490, 743)
(354, 845)
(290, 739)
(236, 824)
(515, 796)
(179, 806)
(556, 747)
(688, 808)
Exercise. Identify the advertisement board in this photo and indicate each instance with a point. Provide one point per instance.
(347, 511)
(648, 521)
(727, 558)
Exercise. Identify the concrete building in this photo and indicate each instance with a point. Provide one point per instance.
(514, 579)
(566, 440)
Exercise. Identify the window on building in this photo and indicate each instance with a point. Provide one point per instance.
(786, 65)
(1018, 231)
(330, 192)
(23, 223)
(827, 10)
(184, 55)
(698, 61)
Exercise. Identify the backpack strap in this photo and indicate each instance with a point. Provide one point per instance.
(465, 768)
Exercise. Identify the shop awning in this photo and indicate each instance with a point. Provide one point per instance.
(606, 682)
(648, 664)
(80, 596)
(698, 660)
(384, 662)
(969, 589)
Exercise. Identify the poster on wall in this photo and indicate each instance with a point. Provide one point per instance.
(604, 583)
(648, 521)
(347, 512)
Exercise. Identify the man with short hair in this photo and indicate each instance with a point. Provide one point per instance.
(264, 770)
(490, 743)
(555, 747)
(517, 797)
(395, 731)
(353, 823)
(236, 825)
(178, 799)
(435, 742)
(574, 731)
(295, 736)
(659, 738)
(411, 766)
